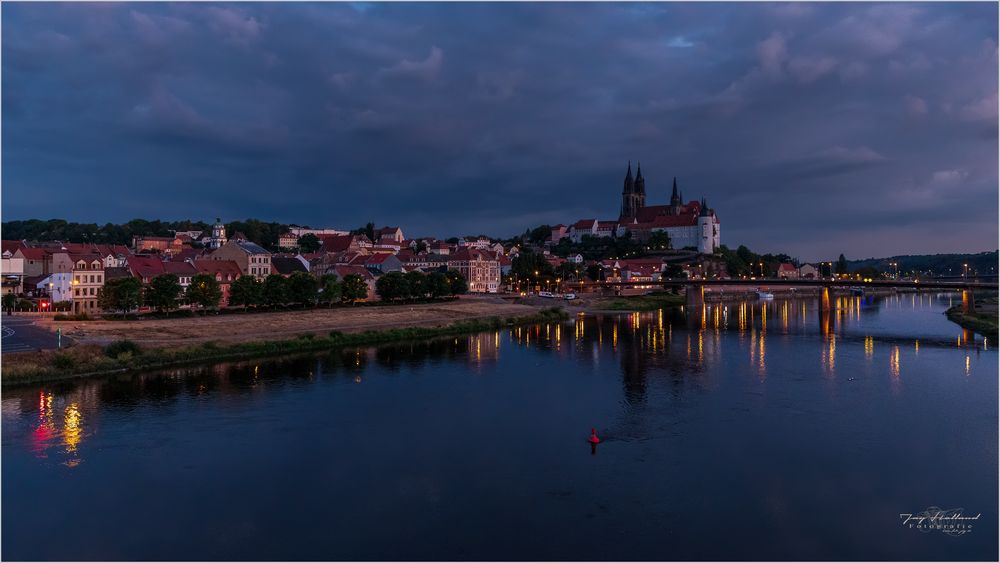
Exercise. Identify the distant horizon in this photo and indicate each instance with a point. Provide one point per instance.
(812, 129)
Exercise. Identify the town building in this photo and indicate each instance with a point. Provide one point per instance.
(808, 272)
(183, 270)
(788, 271)
(224, 271)
(251, 258)
(88, 280)
(480, 269)
(12, 270)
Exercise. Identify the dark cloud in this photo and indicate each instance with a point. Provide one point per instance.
(812, 128)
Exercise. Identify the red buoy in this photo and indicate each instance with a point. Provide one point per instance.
(593, 437)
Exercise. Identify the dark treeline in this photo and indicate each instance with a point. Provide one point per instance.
(261, 232)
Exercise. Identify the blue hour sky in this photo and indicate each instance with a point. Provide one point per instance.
(863, 128)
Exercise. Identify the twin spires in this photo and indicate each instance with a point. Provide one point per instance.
(638, 185)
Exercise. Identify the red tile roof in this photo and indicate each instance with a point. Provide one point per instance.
(32, 253)
(12, 246)
(179, 268)
(229, 269)
(145, 266)
(344, 271)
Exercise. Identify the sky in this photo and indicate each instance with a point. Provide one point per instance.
(812, 129)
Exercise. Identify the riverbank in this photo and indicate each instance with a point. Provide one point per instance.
(122, 356)
(983, 321)
(234, 327)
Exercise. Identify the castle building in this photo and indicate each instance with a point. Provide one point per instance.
(693, 224)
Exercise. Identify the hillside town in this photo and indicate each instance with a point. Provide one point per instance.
(645, 243)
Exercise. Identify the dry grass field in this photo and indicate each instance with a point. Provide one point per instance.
(277, 325)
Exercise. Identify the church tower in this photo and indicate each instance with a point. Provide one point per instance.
(218, 237)
(634, 192)
(675, 199)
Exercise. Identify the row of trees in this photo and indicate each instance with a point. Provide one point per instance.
(264, 233)
(164, 293)
(397, 286)
(299, 288)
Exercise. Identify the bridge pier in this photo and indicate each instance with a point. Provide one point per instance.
(695, 295)
(824, 299)
(968, 301)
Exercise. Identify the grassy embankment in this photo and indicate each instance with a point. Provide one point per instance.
(124, 356)
(984, 320)
(651, 302)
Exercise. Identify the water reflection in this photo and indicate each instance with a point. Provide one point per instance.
(643, 345)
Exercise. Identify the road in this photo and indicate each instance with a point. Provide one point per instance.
(20, 335)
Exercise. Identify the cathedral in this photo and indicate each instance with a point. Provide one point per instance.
(691, 224)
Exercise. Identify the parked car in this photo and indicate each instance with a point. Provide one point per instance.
(569, 296)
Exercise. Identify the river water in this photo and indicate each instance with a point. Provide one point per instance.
(739, 431)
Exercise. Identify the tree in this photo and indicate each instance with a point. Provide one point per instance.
(246, 291)
(162, 292)
(841, 265)
(9, 302)
(437, 285)
(392, 286)
(275, 290)
(302, 288)
(204, 291)
(658, 240)
(354, 288)
(594, 272)
(416, 285)
(456, 282)
(121, 295)
(329, 289)
(309, 243)
(674, 271)
(540, 234)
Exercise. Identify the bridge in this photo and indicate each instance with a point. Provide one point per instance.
(695, 288)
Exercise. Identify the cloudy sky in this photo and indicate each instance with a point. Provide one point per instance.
(815, 129)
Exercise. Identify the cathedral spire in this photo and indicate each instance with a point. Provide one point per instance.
(675, 198)
(629, 183)
(640, 182)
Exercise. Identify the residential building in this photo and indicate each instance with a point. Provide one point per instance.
(342, 271)
(12, 270)
(788, 271)
(183, 270)
(480, 269)
(224, 271)
(808, 272)
(88, 281)
(145, 268)
(37, 261)
(380, 263)
(390, 233)
(251, 258)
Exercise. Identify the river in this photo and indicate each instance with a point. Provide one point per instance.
(739, 431)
